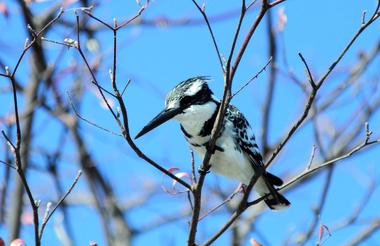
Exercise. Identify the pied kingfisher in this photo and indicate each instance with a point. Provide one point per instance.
(236, 155)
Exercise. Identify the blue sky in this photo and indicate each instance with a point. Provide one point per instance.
(156, 59)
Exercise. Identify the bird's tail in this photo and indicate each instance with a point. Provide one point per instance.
(275, 200)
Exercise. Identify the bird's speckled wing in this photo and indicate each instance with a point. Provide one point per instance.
(245, 138)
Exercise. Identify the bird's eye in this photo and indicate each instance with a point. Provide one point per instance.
(185, 101)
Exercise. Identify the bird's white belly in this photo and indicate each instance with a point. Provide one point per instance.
(230, 163)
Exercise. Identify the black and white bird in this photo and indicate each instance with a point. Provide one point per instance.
(236, 155)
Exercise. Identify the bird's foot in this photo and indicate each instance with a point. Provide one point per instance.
(203, 171)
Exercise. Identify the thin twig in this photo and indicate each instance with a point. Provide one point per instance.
(251, 4)
(311, 159)
(274, 3)
(253, 78)
(231, 220)
(31, 43)
(318, 84)
(8, 164)
(237, 32)
(127, 22)
(203, 13)
(229, 198)
(92, 73)
(188, 192)
(59, 203)
(126, 86)
(103, 89)
(87, 12)
(46, 214)
(9, 142)
(311, 80)
(88, 121)
(327, 163)
(363, 17)
(67, 44)
(365, 233)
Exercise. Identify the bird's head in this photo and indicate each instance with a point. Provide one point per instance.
(193, 91)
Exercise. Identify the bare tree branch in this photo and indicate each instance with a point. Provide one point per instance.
(318, 84)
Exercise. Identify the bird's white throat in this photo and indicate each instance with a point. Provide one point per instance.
(194, 117)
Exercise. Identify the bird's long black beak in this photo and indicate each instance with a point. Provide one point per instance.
(161, 118)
